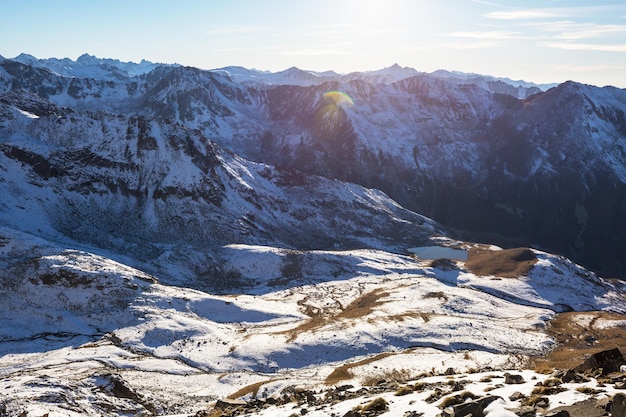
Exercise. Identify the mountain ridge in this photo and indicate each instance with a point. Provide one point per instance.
(395, 71)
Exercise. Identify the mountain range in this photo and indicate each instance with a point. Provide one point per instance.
(221, 229)
(490, 159)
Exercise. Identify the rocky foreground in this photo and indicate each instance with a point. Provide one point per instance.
(595, 388)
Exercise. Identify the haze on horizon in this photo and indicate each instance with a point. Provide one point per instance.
(537, 41)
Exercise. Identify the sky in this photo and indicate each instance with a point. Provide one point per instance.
(539, 41)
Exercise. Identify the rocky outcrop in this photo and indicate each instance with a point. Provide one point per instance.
(605, 362)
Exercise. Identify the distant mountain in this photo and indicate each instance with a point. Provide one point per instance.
(389, 75)
(292, 76)
(533, 171)
(519, 88)
(89, 66)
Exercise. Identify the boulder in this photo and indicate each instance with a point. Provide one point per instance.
(618, 405)
(516, 396)
(607, 361)
(472, 409)
(513, 379)
(226, 403)
(571, 376)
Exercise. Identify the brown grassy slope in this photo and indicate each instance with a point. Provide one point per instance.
(579, 335)
(506, 263)
(361, 307)
(343, 372)
(249, 389)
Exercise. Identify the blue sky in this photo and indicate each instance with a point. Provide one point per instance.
(540, 41)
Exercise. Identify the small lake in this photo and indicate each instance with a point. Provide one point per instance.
(427, 253)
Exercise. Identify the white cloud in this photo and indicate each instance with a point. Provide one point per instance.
(575, 31)
(316, 51)
(571, 46)
(473, 44)
(486, 3)
(547, 13)
(589, 68)
(527, 14)
(492, 35)
(470, 44)
(572, 31)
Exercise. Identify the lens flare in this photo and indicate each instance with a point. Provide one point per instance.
(339, 98)
(330, 115)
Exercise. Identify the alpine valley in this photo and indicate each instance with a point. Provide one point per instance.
(178, 241)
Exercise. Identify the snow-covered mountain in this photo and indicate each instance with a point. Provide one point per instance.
(516, 88)
(389, 75)
(547, 169)
(169, 198)
(170, 237)
(89, 66)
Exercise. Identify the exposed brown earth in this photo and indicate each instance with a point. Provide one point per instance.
(360, 307)
(249, 389)
(506, 263)
(343, 372)
(579, 335)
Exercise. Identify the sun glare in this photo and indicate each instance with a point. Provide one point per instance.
(339, 98)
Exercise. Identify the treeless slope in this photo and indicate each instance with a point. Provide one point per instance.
(361, 307)
(506, 263)
(581, 334)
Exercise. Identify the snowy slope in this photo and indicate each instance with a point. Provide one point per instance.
(176, 350)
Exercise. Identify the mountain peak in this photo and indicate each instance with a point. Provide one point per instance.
(86, 59)
(25, 57)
